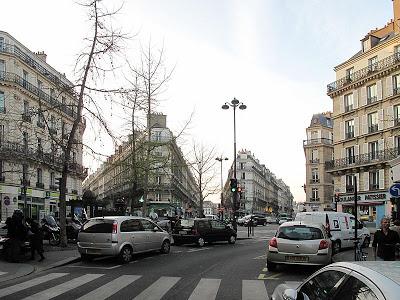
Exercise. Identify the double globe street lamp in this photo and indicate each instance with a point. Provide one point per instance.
(234, 104)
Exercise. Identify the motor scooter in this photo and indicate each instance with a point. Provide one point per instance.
(51, 231)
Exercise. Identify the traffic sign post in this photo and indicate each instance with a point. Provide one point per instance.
(394, 190)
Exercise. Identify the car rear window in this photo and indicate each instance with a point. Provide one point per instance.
(185, 223)
(98, 226)
(300, 233)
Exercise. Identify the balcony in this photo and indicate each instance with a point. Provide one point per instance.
(40, 185)
(314, 199)
(314, 161)
(373, 128)
(52, 102)
(26, 118)
(14, 50)
(349, 135)
(362, 159)
(364, 73)
(314, 180)
(372, 99)
(313, 142)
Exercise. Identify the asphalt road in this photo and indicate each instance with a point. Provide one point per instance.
(216, 271)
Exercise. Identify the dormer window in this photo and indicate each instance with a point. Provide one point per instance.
(366, 45)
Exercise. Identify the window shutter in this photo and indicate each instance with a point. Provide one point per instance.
(363, 96)
(341, 99)
(364, 124)
(390, 116)
(342, 131)
(379, 89)
(356, 127)
(389, 86)
(355, 98)
(343, 183)
(366, 181)
(381, 179)
(380, 119)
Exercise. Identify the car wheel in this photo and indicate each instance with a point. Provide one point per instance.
(165, 247)
(232, 239)
(200, 242)
(86, 257)
(366, 242)
(271, 266)
(336, 246)
(125, 256)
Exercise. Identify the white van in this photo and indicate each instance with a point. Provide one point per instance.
(341, 227)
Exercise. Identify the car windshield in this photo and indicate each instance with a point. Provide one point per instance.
(186, 223)
(300, 233)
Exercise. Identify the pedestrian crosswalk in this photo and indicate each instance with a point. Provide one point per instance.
(99, 286)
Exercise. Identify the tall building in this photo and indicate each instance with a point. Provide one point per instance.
(37, 110)
(261, 192)
(171, 182)
(318, 149)
(366, 119)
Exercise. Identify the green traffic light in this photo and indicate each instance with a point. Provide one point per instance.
(233, 190)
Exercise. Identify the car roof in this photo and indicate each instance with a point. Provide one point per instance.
(308, 224)
(118, 218)
(384, 274)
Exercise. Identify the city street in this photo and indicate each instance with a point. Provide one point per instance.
(216, 271)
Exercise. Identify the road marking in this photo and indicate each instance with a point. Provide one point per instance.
(273, 277)
(64, 287)
(158, 289)
(198, 249)
(261, 257)
(2, 273)
(206, 289)
(254, 290)
(177, 251)
(30, 283)
(110, 288)
(89, 267)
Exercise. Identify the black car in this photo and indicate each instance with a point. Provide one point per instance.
(202, 230)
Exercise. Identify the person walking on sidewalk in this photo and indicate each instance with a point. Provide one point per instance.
(385, 240)
(36, 239)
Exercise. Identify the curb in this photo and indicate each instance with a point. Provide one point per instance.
(13, 276)
(60, 263)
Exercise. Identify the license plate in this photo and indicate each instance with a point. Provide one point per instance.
(296, 258)
(182, 232)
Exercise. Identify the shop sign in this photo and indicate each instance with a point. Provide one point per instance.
(365, 197)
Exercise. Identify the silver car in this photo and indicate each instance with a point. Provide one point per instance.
(346, 280)
(121, 236)
(297, 242)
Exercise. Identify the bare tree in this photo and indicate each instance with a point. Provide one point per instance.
(203, 167)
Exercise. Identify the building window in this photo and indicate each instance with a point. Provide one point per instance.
(374, 180)
(314, 175)
(39, 146)
(349, 129)
(350, 157)
(314, 156)
(25, 140)
(314, 194)
(1, 171)
(349, 183)
(397, 49)
(73, 157)
(373, 150)
(52, 93)
(52, 179)
(39, 175)
(372, 122)
(158, 197)
(158, 179)
(1, 43)
(2, 102)
(26, 108)
(396, 84)
(25, 78)
(371, 93)
(241, 166)
(397, 144)
(243, 175)
(39, 84)
(2, 137)
(373, 64)
(348, 102)
(349, 74)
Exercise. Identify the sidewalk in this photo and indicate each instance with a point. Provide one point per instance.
(348, 255)
(54, 257)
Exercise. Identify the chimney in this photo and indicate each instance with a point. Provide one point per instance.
(42, 56)
(396, 13)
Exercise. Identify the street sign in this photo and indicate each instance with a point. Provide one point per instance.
(394, 190)
(6, 200)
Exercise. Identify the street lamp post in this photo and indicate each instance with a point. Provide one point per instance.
(220, 159)
(234, 104)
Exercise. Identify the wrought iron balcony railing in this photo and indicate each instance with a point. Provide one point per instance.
(18, 80)
(314, 161)
(364, 72)
(14, 50)
(348, 108)
(373, 128)
(314, 180)
(371, 99)
(349, 188)
(363, 159)
(373, 187)
(314, 199)
(349, 135)
(317, 141)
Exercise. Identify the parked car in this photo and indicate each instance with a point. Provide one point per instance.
(341, 227)
(257, 220)
(271, 220)
(121, 236)
(283, 220)
(202, 230)
(212, 217)
(297, 242)
(346, 280)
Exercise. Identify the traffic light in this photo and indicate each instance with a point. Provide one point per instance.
(57, 182)
(233, 185)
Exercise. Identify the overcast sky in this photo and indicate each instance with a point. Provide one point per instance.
(277, 56)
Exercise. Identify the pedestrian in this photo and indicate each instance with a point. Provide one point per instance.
(385, 240)
(35, 238)
(396, 227)
(16, 232)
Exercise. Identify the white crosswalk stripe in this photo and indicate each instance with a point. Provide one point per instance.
(110, 288)
(3, 273)
(254, 290)
(30, 283)
(158, 289)
(206, 289)
(64, 287)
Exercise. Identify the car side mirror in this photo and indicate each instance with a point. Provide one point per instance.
(290, 294)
